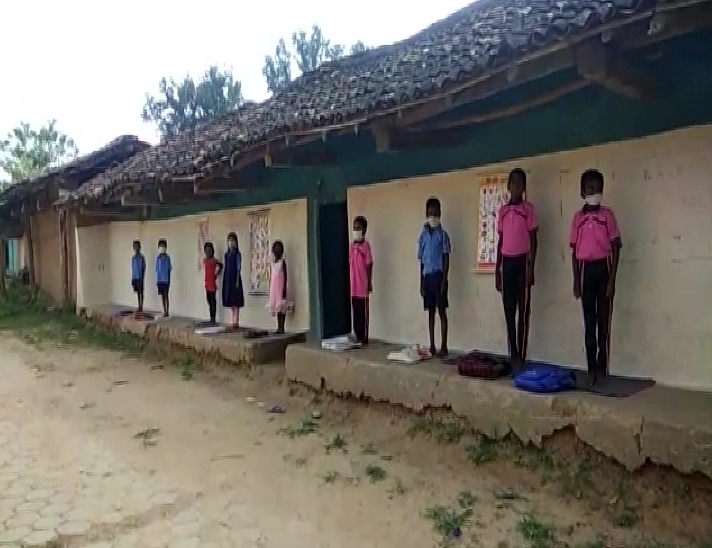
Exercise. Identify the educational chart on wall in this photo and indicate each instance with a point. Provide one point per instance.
(492, 195)
(260, 260)
(203, 236)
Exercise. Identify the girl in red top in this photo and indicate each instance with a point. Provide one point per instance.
(211, 270)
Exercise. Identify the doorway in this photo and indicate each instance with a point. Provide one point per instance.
(334, 253)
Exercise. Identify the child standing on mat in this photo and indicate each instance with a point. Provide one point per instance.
(595, 252)
(277, 303)
(211, 270)
(138, 273)
(434, 257)
(163, 274)
(361, 273)
(232, 293)
(516, 256)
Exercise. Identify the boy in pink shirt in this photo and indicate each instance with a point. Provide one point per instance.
(595, 253)
(516, 255)
(361, 271)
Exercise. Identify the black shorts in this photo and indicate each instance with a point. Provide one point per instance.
(137, 286)
(434, 295)
(163, 288)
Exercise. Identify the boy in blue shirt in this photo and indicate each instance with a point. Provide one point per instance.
(138, 273)
(434, 257)
(163, 274)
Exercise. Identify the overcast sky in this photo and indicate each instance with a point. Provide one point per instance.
(89, 64)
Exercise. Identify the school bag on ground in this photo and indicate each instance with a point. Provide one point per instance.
(545, 379)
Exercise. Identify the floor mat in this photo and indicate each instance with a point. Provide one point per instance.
(204, 323)
(620, 387)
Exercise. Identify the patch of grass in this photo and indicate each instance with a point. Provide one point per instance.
(375, 473)
(482, 450)
(337, 442)
(186, 364)
(466, 499)
(434, 427)
(398, 488)
(536, 533)
(331, 476)
(369, 449)
(508, 494)
(303, 428)
(448, 522)
(625, 516)
(25, 311)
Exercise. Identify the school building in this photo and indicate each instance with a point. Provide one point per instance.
(549, 87)
(40, 237)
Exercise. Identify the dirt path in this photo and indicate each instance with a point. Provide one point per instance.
(102, 450)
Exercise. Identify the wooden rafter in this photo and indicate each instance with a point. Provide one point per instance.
(534, 102)
(604, 64)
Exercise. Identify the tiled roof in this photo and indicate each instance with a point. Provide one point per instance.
(462, 47)
(79, 170)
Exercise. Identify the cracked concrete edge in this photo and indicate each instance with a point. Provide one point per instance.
(495, 409)
(182, 334)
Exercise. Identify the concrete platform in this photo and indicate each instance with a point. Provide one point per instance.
(663, 425)
(232, 347)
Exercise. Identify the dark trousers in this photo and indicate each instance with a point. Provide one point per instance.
(359, 310)
(212, 304)
(597, 310)
(516, 297)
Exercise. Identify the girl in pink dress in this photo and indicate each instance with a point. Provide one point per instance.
(277, 303)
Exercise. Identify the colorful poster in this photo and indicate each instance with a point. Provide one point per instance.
(260, 261)
(203, 236)
(493, 194)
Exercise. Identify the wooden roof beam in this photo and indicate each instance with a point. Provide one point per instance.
(604, 65)
(382, 137)
(159, 197)
(221, 186)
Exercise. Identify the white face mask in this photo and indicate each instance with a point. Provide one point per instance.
(232, 244)
(594, 199)
(357, 235)
(434, 222)
(161, 250)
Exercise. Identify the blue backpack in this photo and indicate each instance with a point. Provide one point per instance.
(544, 379)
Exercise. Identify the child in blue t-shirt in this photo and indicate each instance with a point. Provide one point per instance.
(138, 273)
(163, 274)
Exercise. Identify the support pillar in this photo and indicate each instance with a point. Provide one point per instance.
(63, 263)
(30, 249)
(316, 327)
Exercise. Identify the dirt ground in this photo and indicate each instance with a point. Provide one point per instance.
(98, 449)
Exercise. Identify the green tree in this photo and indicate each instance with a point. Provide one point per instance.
(359, 47)
(26, 152)
(308, 51)
(278, 69)
(181, 106)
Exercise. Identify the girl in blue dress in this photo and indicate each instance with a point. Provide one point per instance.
(232, 293)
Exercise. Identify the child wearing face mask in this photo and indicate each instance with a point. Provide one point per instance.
(434, 258)
(232, 292)
(361, 274)
(595, 252)
(163, 274)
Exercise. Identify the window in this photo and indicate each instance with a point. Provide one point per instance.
(260, 260)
